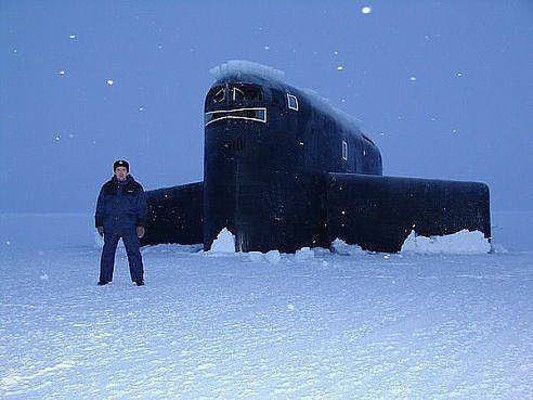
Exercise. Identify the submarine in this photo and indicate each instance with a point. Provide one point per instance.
(284, 169)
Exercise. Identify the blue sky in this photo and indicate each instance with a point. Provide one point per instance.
(445, 87)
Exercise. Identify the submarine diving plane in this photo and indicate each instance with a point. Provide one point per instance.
(284, 169)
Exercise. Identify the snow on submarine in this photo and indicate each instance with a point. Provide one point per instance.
(283, 169)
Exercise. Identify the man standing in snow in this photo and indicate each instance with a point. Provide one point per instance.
(121, 213)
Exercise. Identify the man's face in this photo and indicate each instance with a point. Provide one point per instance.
(121, 173)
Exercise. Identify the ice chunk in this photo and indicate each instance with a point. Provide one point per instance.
(255, 256)
(340, 247)
(273, 256)
(321, 252)
(224, 243)
(305, 253)
(463, 242)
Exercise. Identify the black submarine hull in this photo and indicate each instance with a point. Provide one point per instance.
(175, 215)
(379, 212)
(283, 170)
(374, 212)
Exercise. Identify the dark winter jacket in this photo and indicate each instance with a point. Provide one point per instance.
(121, 205)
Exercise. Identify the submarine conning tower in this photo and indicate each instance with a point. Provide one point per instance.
(268, 150)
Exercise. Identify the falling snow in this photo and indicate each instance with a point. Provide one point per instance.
(366, 10)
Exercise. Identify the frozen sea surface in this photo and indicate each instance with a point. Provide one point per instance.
(365, 326)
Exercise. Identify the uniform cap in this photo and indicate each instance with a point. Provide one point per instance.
(121, 163)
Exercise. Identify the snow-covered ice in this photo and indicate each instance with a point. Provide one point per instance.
(224, 243)
(305, 253)
(239, 67)
(258, 326)
(340, 247)
(273, 256)
(463, 242)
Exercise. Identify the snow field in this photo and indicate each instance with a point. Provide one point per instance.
(310, 325)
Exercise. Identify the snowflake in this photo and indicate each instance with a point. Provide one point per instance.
(366, 9)
(110, 82)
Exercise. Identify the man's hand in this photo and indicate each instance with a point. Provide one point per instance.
(100, 230)
(140, 231)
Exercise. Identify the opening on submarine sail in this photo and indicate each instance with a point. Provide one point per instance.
(246, 93)
(217, 95)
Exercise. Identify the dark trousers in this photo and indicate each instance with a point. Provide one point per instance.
(131, 242)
